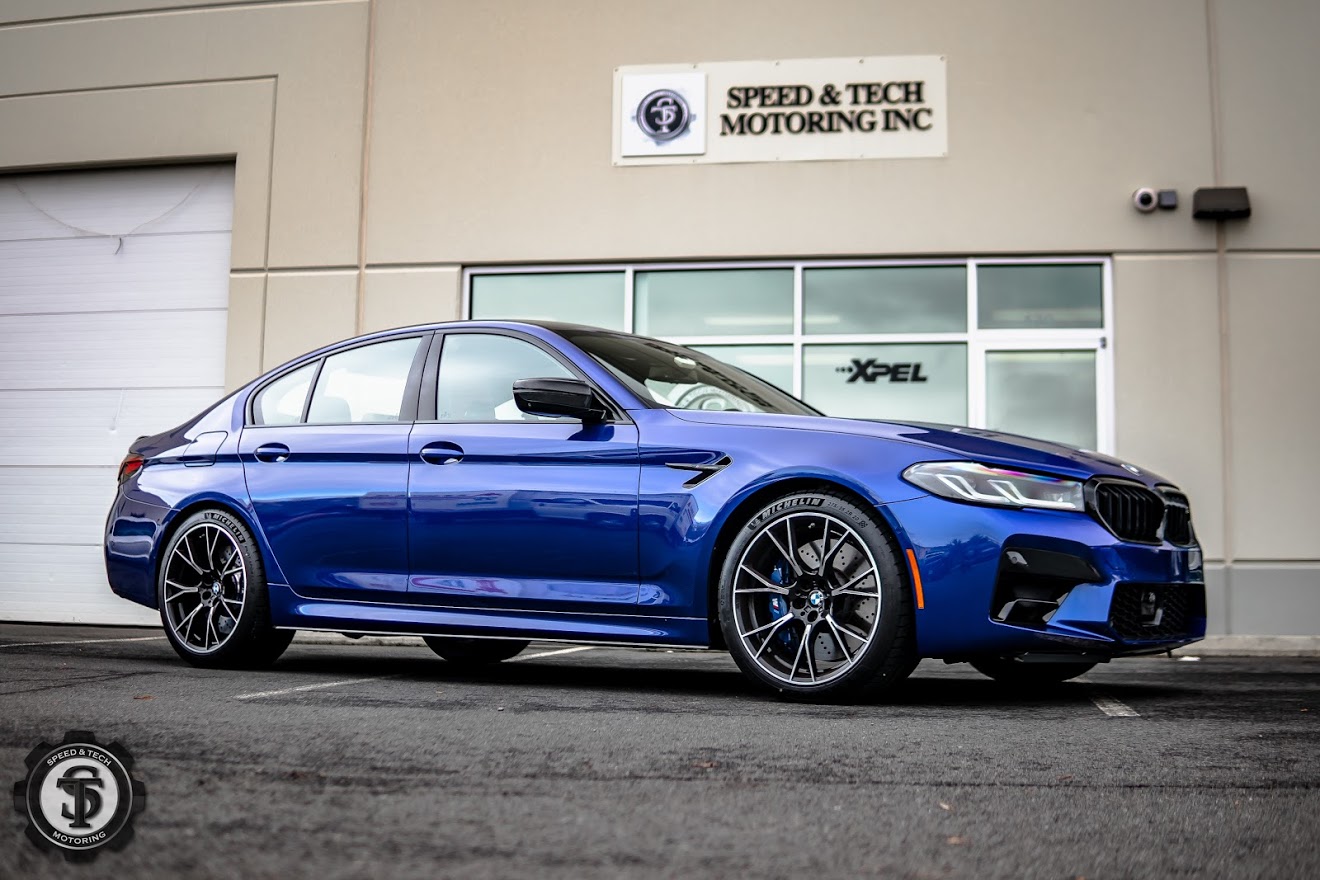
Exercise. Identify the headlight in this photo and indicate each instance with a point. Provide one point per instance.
(978, 484)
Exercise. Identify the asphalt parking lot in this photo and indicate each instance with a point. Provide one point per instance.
(361, 761)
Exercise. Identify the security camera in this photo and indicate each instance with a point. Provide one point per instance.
(1145, 200)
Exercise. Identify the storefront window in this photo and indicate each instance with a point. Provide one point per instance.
(592, 298)
(1020, 345)
(720, 302)
(924, 383)
(1037, 296)
(890, 299)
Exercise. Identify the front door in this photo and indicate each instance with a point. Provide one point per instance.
(511, 510)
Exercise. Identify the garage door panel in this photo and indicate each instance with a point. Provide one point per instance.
(57, 506)
(64, 585)
(111, 351)
(117, 202)
(55, 428)
(101, 274)
(114, 289)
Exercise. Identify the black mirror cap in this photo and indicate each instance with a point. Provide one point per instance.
(552, 396)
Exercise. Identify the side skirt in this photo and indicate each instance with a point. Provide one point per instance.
(290, 611)
(358, 633)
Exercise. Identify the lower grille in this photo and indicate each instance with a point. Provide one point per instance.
(1130, 511)
(1155, 611)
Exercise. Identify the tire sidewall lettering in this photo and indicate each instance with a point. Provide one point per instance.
(227, 523)
(784, 506)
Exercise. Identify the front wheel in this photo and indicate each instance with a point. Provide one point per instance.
(1017, 672)
(474, 652)
(212, 595)
(812, 600)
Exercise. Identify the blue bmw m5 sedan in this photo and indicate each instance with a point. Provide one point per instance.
(481, 484)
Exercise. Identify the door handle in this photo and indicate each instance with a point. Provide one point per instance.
(273, 452)
(441, 452)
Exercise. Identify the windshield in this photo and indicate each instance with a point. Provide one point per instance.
(679, 378)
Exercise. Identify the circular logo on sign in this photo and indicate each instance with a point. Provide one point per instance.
(79, 796)
(663, 115)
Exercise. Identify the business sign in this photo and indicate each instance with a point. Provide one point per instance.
(781, 111)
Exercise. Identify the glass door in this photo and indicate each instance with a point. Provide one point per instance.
(1043, 388)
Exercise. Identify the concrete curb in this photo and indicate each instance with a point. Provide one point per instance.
(1213, 646)
(1254, 646)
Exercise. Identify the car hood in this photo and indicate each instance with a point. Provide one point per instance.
(976, 444)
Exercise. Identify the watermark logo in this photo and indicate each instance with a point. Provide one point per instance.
(663, 115)
(79, 796)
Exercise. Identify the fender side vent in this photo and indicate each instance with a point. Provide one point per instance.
(703, 471)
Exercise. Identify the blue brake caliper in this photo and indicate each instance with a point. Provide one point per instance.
(779, 604)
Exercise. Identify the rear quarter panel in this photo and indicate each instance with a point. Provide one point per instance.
(192, 466)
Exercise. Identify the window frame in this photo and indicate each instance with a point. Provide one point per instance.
(430, 377)
(978, 341)
(411, 387)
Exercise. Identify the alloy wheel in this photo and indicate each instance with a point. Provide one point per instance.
(205, 587)
(806, 598)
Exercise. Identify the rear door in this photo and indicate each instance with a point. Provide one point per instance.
(327, 471)
(511, 510)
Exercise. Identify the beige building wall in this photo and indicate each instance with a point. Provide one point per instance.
(383, 145)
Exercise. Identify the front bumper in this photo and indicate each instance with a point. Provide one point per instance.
(1000, 581)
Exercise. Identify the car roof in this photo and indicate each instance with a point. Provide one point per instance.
(558, 328)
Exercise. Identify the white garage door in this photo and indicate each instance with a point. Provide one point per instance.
(114, 287)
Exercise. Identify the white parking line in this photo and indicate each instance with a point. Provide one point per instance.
(1113, 708)
(551, 653)
(310, 687)
(83, 642)
(330, 684)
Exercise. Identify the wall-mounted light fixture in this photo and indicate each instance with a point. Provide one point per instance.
(1221, 203)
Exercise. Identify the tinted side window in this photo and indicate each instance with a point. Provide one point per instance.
(281, 402)
(477, 372)
(363, 384)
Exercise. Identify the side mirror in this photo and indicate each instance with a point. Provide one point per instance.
(558, 397)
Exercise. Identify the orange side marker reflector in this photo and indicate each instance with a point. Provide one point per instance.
(916, 578)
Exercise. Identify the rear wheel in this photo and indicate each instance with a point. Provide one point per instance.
(1015, 671)
(813, 603)
(212, 595)
(474, 652)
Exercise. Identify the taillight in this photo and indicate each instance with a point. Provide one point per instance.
(131, 464)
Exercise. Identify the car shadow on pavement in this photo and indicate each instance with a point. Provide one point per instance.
(698, 675)
(700, 678)
(947, 691)
(619, 672)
